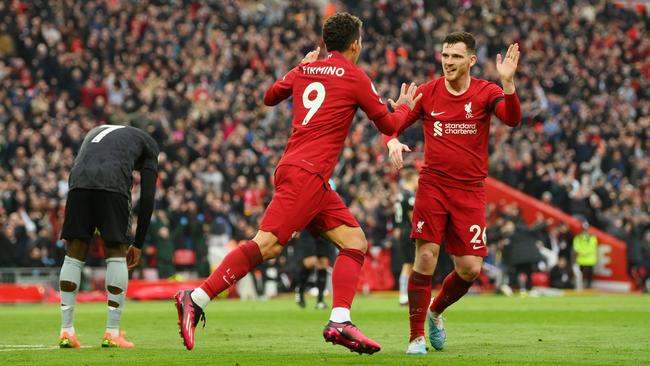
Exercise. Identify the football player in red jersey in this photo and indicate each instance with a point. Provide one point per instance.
(326, 94)
(450, 200)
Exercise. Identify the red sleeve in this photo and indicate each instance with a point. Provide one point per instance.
(411, 118)
(390, 122)
(281, 89)
(508, 109)
(368, 98)
(371, 103)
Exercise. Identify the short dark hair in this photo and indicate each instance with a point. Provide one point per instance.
(340, 30)
(462, 37)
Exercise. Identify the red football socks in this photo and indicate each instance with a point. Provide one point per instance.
(453, 288)
(234, 266)
(419, 290)
(345, 277)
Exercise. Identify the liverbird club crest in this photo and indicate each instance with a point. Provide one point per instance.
(468, 110)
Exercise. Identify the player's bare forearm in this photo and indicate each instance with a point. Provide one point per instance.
(508, 86)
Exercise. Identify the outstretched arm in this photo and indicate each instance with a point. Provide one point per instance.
(392, 123)
(396, 149)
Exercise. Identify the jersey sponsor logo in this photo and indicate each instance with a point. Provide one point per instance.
(454, 128)
(437, 128)
(475, 247)
(434, 114)
(468, 110)
(418, 228)
(323, 70)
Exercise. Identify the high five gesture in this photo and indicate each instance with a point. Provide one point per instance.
(507, 66)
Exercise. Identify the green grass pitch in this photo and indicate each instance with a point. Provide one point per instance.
(481, 330)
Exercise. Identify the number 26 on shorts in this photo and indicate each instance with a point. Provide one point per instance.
(478, 235)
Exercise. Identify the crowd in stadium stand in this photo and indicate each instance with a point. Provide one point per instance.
(193, 75)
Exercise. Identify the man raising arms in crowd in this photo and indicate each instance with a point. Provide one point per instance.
(450, 201)
(326, 94)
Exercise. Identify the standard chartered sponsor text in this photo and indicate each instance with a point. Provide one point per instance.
(460, 129)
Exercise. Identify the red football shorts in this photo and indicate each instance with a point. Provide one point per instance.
(303, 200)
(457, 215)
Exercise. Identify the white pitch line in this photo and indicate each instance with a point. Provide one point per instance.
(23, 345)
(28, 347)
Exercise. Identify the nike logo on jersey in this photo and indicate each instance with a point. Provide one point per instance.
(478, 246)
(433, 113)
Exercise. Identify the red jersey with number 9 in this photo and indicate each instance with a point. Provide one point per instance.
(326, 94)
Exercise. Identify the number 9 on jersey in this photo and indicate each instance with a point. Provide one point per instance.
(312, 105)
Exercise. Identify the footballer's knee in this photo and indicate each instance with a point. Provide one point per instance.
(269, 250)
(357, 242)
(77, 249)
(347, 237)
(268, 243)
(112, 250)
(469, 273)
(426, 257)
(273, 251)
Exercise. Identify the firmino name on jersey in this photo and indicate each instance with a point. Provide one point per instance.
(454, 128)
(323, 70)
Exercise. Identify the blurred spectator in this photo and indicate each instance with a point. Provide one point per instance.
(193, 74)
(645, 257)
(586, 248)
(561, 275)
(164, 253)
(520, 254)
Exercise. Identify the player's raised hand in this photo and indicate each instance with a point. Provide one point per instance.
(133, 257)
(395, 152)
(507, 66)
(311, 56)
(406, 96)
